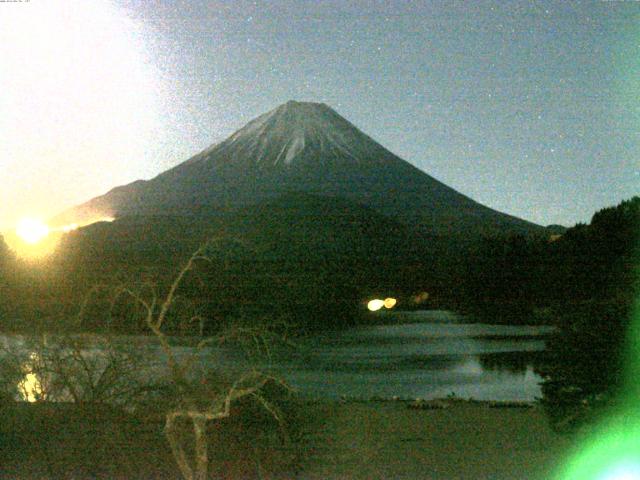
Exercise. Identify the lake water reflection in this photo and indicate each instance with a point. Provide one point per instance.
(434, 356)
(409, 355)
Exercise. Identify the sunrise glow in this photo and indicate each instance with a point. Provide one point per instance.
(76, 84)
(33, 239)
(32, 230)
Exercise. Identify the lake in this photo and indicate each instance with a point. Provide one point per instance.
(428, 354)
(421, 355)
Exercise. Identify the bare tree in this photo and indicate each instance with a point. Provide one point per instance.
(44, 368)
(199, 402)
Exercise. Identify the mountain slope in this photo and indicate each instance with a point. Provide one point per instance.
(290, 231)
(311, 259)
(300, 147)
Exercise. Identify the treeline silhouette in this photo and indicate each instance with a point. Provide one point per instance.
(521, 279)
(314, 261)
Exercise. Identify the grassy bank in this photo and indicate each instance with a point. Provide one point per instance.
(334, 440)
(460, 440)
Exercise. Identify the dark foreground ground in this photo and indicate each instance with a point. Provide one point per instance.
(332, 440)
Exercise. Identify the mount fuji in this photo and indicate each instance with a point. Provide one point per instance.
(300, 148)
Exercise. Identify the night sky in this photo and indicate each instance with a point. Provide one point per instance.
(531, 108)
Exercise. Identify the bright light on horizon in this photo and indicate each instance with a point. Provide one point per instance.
(32, 230)
(33, 239)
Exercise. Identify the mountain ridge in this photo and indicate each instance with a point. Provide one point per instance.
(306, 147)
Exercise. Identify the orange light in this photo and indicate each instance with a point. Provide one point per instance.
(421, 297)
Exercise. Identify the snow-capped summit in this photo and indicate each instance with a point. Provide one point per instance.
(292, 132)
(299, 147)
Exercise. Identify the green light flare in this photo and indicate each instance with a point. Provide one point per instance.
(631, 392)
(625, 471)
(612, 450)
(612, 453)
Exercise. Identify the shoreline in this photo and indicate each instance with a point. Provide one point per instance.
(339, 439)
(446, 439)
